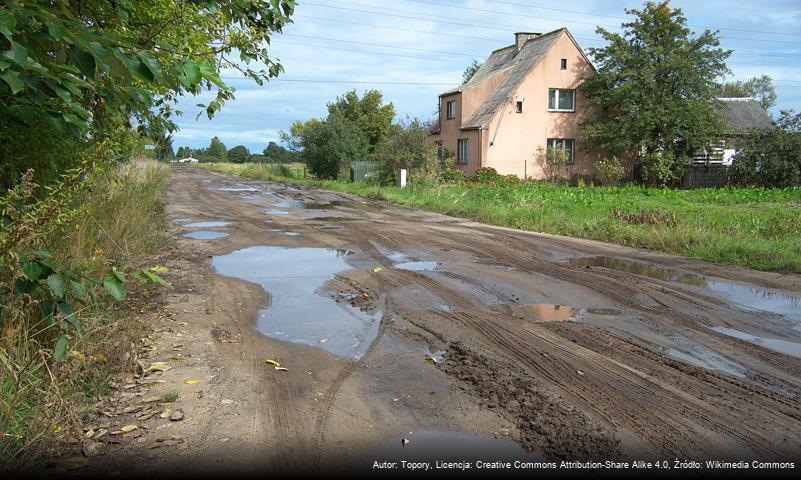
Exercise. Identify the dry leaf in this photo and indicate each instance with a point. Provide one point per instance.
(191, 381)
(282, 369)
(376, 269)
(273, 362)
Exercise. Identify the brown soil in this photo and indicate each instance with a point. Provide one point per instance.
(601, 385)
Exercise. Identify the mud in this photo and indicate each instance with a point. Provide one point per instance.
(492, 330)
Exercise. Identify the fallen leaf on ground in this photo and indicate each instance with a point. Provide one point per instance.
(273, 362)
(191, 381)
(431, 359)
(282, 369)
(125, 429)
(376, 269)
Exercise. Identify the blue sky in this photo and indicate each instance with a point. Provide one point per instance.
(412, 50)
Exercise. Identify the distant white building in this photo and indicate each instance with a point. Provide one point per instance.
(186, 160)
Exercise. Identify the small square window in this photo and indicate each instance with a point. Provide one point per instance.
(563, 66)
(519, 107)
(451, 109)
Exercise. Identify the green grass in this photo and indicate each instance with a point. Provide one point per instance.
(752, 227)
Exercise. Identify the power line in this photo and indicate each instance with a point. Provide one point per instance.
(491, 28)
(362, 51)
(593, 14)
(385, 45)
(364, 82)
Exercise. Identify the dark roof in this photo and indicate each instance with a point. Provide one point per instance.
(742, 115)
(520, 65)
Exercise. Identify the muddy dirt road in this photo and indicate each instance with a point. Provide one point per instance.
(467, 340)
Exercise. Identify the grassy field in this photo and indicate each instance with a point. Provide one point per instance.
(117, 221)
(753, 227)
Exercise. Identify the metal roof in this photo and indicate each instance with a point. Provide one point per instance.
(742, 115)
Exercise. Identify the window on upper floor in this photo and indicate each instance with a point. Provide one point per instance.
(561, 100)
(461, 151)
(561, 146)
(563, 64)
(450, 109)
(519, 107)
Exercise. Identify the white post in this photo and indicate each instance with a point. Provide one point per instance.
(402, 178)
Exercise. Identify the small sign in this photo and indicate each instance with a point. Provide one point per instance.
(150, 147)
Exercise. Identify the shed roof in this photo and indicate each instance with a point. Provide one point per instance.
(742, 115)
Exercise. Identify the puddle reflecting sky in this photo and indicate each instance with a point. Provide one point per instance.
(783, 346)
(295, 311)
(205, 235)
(207, 224)
(741, 294)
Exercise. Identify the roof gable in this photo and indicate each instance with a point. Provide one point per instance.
(520, 63)
(742, 115)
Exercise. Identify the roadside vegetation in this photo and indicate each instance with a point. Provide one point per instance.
(86, 96)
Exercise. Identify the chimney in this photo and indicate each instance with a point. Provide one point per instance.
(522, 37)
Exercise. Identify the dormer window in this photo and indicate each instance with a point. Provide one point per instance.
(563, 64)
(450, 109)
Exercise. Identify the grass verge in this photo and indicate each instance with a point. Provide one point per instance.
(114, 219)
(751, 227)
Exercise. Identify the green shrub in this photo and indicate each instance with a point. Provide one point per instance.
(770, 158)
(610, 170)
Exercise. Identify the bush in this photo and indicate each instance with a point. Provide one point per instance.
(771, 158)
(610, 170)
(662, 169)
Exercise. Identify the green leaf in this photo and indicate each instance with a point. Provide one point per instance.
(65, 310)
(60, 350)
(24, 113)
(14, 81)
(210, 74)
(156, 279)
(7, 23)
(140, 277)
(43, 253)
(56, 30)
(77, 288)
(114, 287)
(85, 61)
(189, 73)
(120, 275)
(32, 269)
(17, 54)
(57, 285)
(158, 269)
(48, 308)
(153, 65)
(23, 286)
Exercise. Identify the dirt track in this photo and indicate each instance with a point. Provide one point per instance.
(614, 372)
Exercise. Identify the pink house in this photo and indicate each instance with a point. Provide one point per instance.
(523, 97)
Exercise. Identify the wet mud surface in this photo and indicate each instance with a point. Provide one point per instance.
(393, 320)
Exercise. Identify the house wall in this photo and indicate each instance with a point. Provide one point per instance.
(467, 101)
(514, 137)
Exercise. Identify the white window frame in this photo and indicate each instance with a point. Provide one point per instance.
(462, 151)
(556, 98)
(561, 143)
(448, 114)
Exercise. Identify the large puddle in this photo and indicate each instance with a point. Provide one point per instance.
(752, 297)
(207, 224)
(295, 311)
(778, 345)
(445, 445)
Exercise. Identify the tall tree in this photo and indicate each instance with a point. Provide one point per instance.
(370, 113)
(470, 71)
(655, 84)
(761, 88)
(216, 151)
(239, 154)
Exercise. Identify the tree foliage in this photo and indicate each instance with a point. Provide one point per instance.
(216, 151)
(760, 88)
(770, 158)
(470, 71)
(239, 154)
(84, 69)
(406, 146)
(275, 153)
(352, 130)
(369, 113)
(655, 84)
